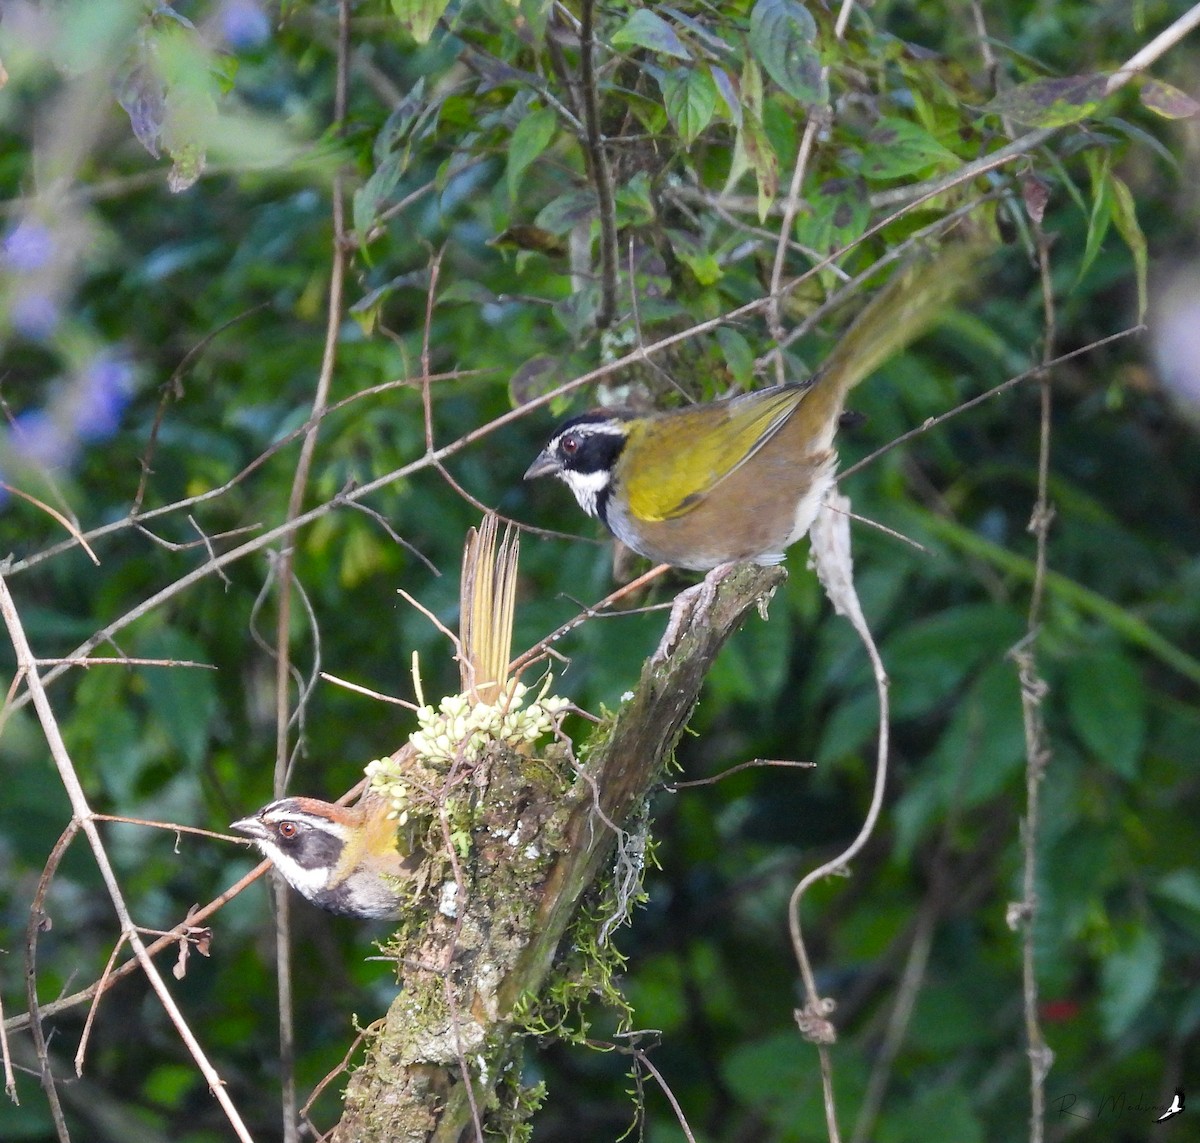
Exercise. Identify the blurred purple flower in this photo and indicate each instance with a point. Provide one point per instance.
(28, 247)
(243, 24)
(104, 391)
(38, 438)
(34, 314)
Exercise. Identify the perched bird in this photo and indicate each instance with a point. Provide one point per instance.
(345, 859)
(739, 479)
(354, 860)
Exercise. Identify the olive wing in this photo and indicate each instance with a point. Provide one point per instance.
(677, 459)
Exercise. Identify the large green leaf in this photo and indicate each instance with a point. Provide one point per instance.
(1128, 979)
(782, 35)
(1106, 700)
(690, 99)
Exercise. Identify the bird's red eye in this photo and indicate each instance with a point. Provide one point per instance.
(287, 830)
(569, 444)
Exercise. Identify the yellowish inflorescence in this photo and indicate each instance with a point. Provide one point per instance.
(460, 728)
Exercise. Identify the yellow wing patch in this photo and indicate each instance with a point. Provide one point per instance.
(677, 459)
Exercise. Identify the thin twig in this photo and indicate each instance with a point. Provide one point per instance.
(65, 1003)
(817, 119)
(37, 916)
(598, 165)
(173, 387)
(10, 1080)
(643, 1059)
(83, 815)
(753, 764)
(1037, 751)
(68, 525)
(831, 555)
(995, 391)
(81, 1051)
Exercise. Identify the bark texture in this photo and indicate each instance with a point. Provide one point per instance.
(532, 840)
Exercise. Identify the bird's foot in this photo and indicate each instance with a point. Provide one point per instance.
(688, 603)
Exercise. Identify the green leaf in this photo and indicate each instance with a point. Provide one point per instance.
(691, 98)
(839, 211)
(1102, 211)
(752, 151)
(645, 29)
(729, 96)
(930, 658)
(373, 193)
(1106, 701)
(898, 147)
(1051, 102)
(781, 37)
(1168, 101)
(563, 214)
(739, 357)
(1181, 886)
(936, 1114)
(1124, 215)
(529, 140)
(420, 17)
(1128, 979)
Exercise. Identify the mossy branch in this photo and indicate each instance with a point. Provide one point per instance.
(542, 834)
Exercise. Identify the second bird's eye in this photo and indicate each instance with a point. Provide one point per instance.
(287, 830)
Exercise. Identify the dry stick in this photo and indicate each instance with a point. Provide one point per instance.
(753, 764)
(330, 1076)
(898, 1020)
(32, 928)
(10, 1080)
(995, 391)
(435, 269)
(598, 164)
(283, 719)
(81, 1051)
(173, 386)
(1037, 752)
(831, 553)
(643, 1058)
(17, 1023)
(67, 524)
(83, 815)
(792, 205)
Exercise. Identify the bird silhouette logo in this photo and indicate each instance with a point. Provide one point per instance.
(1175, 1108)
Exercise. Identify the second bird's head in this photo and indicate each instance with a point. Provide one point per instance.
(344, 859)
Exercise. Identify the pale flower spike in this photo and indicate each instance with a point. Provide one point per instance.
(461, 726)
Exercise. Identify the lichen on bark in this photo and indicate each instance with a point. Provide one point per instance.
(476, 959)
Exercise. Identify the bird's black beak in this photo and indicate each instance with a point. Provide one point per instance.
(251, 827)
(546, 464)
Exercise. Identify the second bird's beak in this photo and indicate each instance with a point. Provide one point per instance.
(545, 465)
(251, 827)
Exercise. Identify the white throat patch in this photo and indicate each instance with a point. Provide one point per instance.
(307, 882)
(587, 487)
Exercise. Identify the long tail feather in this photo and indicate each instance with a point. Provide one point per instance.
(488, 596)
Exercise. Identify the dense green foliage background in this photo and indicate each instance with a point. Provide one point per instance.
(178, 336)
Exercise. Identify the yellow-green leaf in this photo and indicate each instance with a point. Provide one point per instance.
(1125, 219)
(420, 17)
(1051, 102)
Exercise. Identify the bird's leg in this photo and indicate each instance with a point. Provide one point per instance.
(693, 600)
